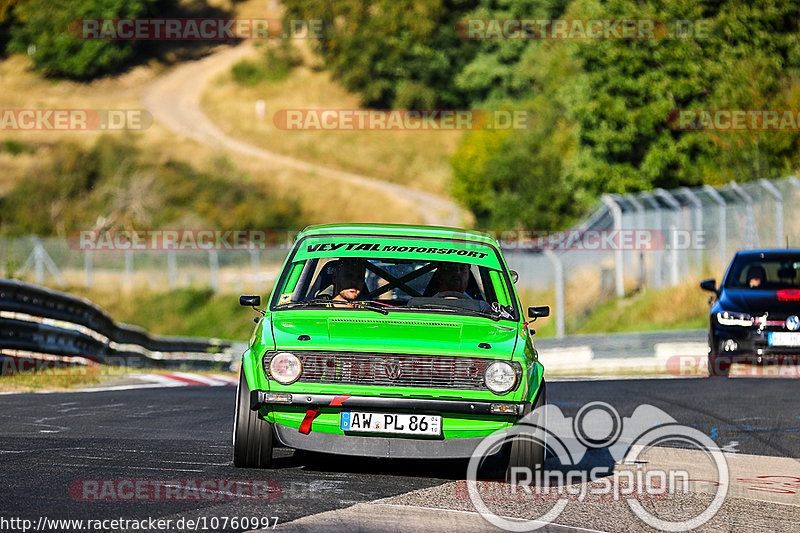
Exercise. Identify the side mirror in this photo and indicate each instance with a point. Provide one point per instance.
(514, 276)
(250, 300)
(709, 285)
(538, 311)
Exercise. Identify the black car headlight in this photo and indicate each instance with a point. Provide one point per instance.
(730, 318)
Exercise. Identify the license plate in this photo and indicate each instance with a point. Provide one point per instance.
(391, 423)
(783, 338)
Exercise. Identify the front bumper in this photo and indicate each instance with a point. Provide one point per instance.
(752, 346)
(376, 446)
(258, 399)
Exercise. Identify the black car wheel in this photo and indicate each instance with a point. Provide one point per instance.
(252, 437)
(527, 450)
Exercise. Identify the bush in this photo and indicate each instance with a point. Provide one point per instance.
(113, 185)
(44, 32)
(277, 63)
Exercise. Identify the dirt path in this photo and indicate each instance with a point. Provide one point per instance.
(174, 100)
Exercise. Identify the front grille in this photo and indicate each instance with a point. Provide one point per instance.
(394, 370)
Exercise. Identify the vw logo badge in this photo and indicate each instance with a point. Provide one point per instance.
(393, 370)
(793, 323)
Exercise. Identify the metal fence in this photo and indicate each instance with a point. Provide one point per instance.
(694, 232)
(53, 262)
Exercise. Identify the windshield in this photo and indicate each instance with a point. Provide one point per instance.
(386, 283)
(767, 273)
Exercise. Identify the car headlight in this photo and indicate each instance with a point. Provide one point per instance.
(285, 367)
(728, 318)
(500, 377)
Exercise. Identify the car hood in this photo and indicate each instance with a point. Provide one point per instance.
(435, 335)
(757, 303)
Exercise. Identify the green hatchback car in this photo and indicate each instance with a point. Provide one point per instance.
(390, 341)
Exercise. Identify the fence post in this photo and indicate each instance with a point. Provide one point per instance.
(750, 232)
(674, 275)
(129, 269)
(172, 269)
(213, 265)
(558, 268)
(88, 267)
(616, 213)
(778, 197)
(697, 224)
(723, 223)
(640, 223)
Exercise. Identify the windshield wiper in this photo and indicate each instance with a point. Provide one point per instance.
(322, 301)
(458, 310)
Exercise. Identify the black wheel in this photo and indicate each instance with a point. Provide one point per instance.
(252, 437)
(527, 449)
(717, 366)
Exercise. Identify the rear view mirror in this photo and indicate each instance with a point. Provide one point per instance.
(250, 300)
(514, 276)
(538, 311)
(709, 285)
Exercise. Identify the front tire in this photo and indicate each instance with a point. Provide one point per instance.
(252, 437)
(527, 450)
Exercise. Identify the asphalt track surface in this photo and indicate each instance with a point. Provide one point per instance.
(51, 442)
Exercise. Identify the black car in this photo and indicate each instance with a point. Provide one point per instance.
(754, 318)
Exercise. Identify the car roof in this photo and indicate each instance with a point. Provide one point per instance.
(404, 230)
(769, 251)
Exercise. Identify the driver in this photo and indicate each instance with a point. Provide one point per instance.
(755, 276)
(349, 280)
(453, 278)
(453, 282)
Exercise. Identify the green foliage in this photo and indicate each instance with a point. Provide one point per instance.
(277, 63)
(52, 33)
(56, 46)
(601, 106)
(15, 147)
(112, 185)
(194, 312)
(400, 54)
(614, 97)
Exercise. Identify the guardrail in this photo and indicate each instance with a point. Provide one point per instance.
(658, 352)
(41, 326)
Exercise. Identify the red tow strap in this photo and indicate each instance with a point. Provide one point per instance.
(305, 427)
